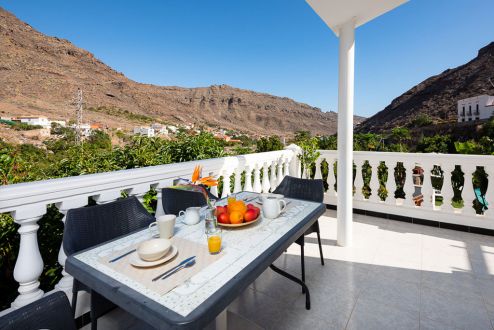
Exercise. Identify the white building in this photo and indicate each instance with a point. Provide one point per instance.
(35, 120)
(144, 131)
(476, 108)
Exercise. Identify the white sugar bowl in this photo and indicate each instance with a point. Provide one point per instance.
(153, 249)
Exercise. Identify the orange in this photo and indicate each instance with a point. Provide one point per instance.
(237, 206)
(236, 217)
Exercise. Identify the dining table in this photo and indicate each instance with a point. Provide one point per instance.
(197, 301)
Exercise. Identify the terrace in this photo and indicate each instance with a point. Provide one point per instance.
(398, 273)
(403, 249)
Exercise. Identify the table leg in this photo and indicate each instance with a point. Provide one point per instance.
(221, 321)
(293, 278)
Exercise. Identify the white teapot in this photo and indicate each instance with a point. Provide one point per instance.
(191, 215)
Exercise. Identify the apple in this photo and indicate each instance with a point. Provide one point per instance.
(223, 218)
(250, 206)
(250, 215)
(220, 209)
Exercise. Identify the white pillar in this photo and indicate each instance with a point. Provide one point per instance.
(345, 132)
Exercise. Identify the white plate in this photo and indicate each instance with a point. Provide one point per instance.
(138, 262)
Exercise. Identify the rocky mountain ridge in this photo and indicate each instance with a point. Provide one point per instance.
(40, 75)
(437, 96)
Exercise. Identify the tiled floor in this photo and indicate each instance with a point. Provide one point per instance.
(395, 276)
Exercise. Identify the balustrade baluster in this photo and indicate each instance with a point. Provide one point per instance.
(427, 189)
(447, 189)
(265, 178)
(468, 194)
(29, 264)
(280, 172)
(257, 179)
(226, 184)
(318, 174)
(359, 182)
(248, 179)
(238, 180)
(273, 179)
(287, 167)
(391, 183)
(409, 187)
(331, 180)
(65, 283)
(159, 196)
(374, 182)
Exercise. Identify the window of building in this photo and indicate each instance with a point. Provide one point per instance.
(463, 119)
(469, 110)
(477, 118)
(463, 111)
(469, 119)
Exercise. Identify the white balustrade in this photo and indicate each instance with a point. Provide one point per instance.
(226, 184)
(406, 207)
(28, 202)
(318, 174)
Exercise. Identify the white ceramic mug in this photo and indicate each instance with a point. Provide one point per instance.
(166, 224)
(272, 207)
(191, 215)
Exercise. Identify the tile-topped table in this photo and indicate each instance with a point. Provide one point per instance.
(248, 251)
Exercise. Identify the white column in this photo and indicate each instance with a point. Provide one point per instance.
(248, 179)
(427, 189)
(29, 264)
(331, 181)
(345, 132)
(447, 189)
(318, 174)
(226, 184)
(489, 195)
(468, 193)
(409, 187)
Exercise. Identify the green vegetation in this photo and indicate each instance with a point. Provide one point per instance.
(270, 143)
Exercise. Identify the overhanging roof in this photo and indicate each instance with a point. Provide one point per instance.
(337, 12)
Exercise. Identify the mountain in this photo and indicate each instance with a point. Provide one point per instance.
(41, 74)
(437, 96)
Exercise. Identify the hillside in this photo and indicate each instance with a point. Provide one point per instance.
(40, 75)
(437, 96)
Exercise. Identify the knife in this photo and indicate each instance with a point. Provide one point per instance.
(184, 262)
(123, 255)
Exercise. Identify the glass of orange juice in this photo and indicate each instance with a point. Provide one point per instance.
(214, 240)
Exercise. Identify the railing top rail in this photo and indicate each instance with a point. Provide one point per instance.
(56, 190)
(479, 160)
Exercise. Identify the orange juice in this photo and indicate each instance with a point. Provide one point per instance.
(214, 244)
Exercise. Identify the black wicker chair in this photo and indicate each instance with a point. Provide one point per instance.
(176, 200)
(88, 226)
(50, 312)
(305, 189)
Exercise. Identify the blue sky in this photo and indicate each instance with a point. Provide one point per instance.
(275, 46)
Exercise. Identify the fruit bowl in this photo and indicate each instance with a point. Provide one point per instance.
(230, 225)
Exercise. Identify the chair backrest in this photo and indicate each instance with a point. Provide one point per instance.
(50, 312)
(176, 200)
(305, 189)
(88, 226)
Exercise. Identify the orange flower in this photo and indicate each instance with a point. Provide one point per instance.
(207, 181)
(196, 174)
